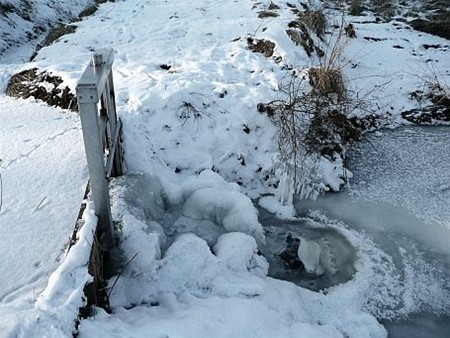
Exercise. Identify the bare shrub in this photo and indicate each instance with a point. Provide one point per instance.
(313, 119)
(310, 125)
(327, 79)
(189, 110)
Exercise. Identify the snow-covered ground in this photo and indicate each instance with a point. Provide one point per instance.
(196, 151)
(43, 173)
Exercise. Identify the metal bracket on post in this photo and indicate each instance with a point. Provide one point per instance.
(101, 134)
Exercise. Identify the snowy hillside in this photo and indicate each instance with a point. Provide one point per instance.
(25, 20)
(226, 105)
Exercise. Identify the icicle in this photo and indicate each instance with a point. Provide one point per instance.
(285, 190)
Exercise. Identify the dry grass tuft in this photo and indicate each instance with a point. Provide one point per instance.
(327, 81)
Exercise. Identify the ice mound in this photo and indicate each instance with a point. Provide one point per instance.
(317, 256)
(239, 252)
(230, 209)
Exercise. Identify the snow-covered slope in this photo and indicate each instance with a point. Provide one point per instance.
(26, 20)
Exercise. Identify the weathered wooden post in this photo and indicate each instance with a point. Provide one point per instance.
(101, 130)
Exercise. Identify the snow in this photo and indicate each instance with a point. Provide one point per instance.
(197, 152)
(53, 312)
(195, 292)
(44, 175)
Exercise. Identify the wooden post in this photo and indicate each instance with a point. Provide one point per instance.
(100, 132)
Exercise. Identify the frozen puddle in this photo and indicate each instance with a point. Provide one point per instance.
(307, 253)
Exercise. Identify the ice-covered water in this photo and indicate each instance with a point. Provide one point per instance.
(283, 238)
(399, 198)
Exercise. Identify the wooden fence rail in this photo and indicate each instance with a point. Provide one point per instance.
(101, 134)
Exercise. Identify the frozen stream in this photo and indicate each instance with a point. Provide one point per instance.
(399, 198)
(380, 246)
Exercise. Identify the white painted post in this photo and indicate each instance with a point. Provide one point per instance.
(96, 83)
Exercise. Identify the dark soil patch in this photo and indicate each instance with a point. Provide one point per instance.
(41, 86)
(369, 38)
(262, 46)
(426, 46)
(298, 33)
(315, 20)
(438, 28)
(58, 31)
(165, 66)
(6, 9)
(427, 116)
(267, 14)
(437, 110)
(88, 11)
(273, 7)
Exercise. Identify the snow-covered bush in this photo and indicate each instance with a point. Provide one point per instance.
(314, 125)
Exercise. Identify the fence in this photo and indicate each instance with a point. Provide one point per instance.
(101, 133)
